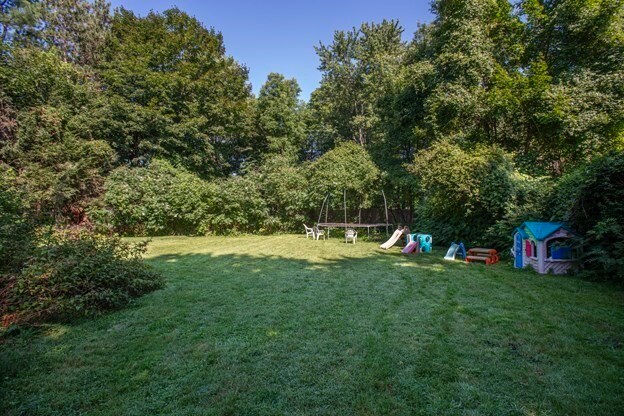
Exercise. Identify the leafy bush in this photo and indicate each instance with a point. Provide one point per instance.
(590, 200)
(159, 199)
(284, 188)
(526, 203)
(463, 193)
(346, 167)
(162, 199)
(15, 229)
(76, 273)
(236, 206)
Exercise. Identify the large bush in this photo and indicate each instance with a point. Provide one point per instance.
(15, 229)
(463, 193)
(156, 200)
(525, 203)
(590, 199)
(162, 199)
(346, 167)
(76, 273)
(284, 187)
(236, 206)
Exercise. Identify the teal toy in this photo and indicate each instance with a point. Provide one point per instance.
(424, 241)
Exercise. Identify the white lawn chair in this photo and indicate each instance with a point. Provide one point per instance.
(309, 231)
(350, 235)
(319, 233)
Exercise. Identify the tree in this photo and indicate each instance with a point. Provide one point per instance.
(347, 167)
(357, 70)
(463, 192)
(278, 116)
(18, 18)
(78, 29)
(174, 93)
(59, 164)
(573, 34)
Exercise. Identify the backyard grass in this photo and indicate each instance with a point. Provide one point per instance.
(284, 325)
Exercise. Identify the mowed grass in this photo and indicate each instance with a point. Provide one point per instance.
(284, 325)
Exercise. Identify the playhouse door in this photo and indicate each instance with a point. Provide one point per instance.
(518, 251)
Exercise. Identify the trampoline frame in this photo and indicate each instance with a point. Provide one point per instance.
(345, 224)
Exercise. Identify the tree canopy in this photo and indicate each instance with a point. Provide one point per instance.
(145, 123)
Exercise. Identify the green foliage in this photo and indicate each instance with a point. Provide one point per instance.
(175, 94)
(76, 273)
(284, 187)
(590, 200)
(279, 116)
(161, 199)
(236, 206)
(464, 192)
(15, 229)
(347, 167)
(60, 164)
(525, 203)
(19, 20)
(156, 200)
(358, 69)
(559, 30)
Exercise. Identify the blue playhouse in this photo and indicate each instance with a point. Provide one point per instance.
(543, 246)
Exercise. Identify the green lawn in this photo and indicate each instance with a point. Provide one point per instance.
(285, 325)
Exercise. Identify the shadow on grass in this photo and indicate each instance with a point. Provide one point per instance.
(368, 332)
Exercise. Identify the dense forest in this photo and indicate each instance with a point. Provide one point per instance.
(115, 124)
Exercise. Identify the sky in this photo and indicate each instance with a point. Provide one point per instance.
(280, 35)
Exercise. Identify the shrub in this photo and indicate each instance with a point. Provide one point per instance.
(236, 206)
(159, 199)
(284, 188)
(526, 203)
(15, 229)
(590, 199)
(463, 193)
(346, 167)
(76, 273)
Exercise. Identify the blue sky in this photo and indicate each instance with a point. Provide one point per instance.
(279, 36)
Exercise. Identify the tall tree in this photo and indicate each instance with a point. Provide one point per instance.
(18, 17)
(173, 92)
(279, 116)
(77, 29)
(573, 96)
(357, 70)
(59, 163)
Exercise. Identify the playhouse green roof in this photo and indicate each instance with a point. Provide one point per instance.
(541, 230)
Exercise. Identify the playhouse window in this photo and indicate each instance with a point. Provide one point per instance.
(559, 249)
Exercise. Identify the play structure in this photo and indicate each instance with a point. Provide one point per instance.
(396, 236)
(477, 254)
(328, 225)
(418, 243)
(456, 250)
(544, 246)
(485, 255)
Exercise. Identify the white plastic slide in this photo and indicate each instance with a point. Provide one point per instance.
(452, 251)
(395, 237)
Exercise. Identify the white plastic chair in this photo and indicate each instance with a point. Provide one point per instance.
(319, 233)
(309, 231)
(350, 235)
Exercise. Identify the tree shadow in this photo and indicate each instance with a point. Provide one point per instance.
(267, 333)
